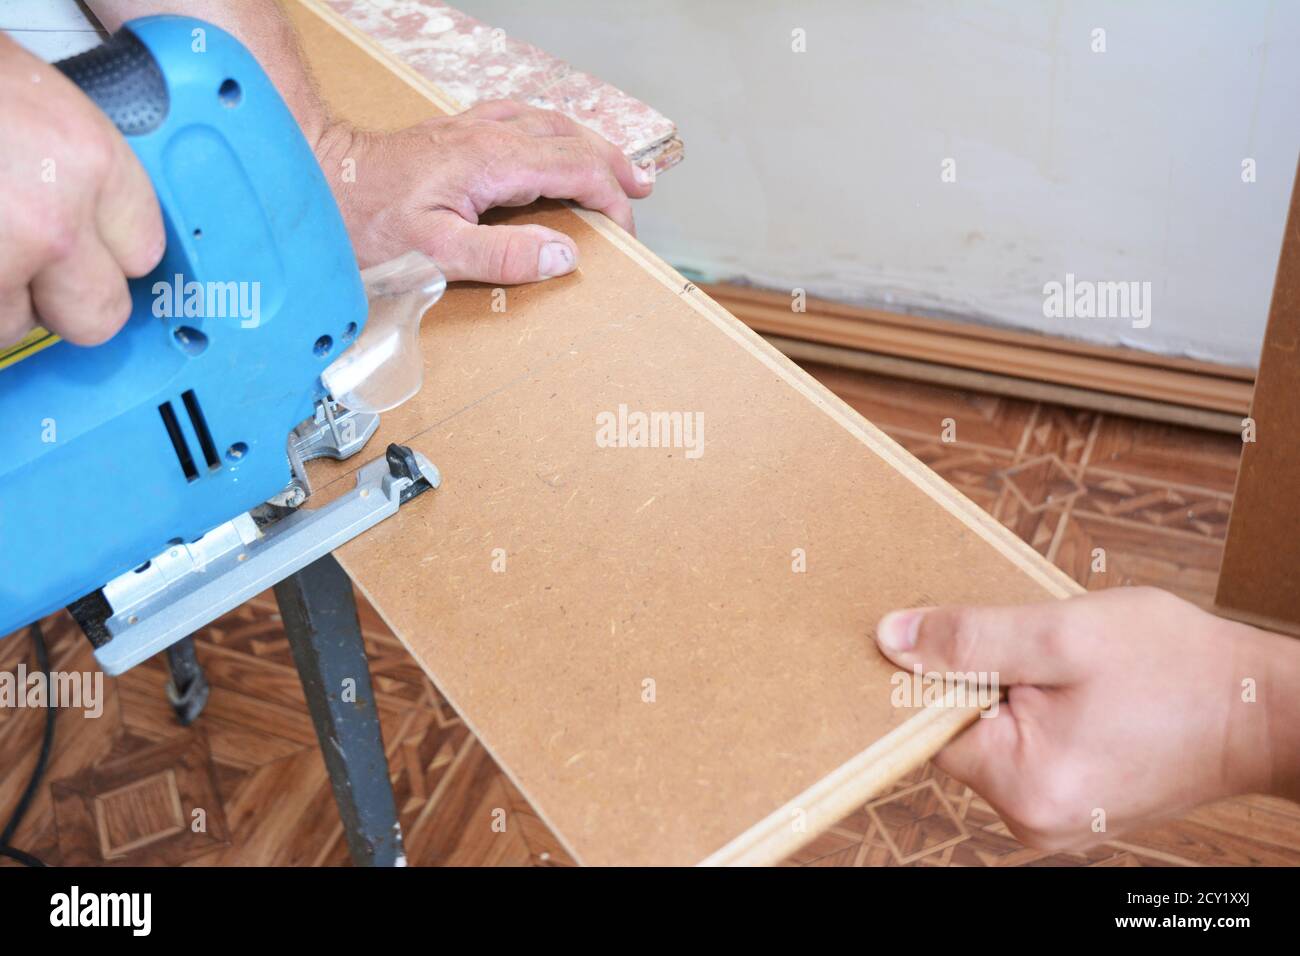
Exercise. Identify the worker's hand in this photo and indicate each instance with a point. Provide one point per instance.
(77, 212)
(426, 187)
(1124, 706)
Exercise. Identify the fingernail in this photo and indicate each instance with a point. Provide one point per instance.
(897, 630)
(644, 172)
(555, 260)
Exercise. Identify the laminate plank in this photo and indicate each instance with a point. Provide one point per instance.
(673, 566)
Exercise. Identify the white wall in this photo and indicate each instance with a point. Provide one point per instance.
(822, 170)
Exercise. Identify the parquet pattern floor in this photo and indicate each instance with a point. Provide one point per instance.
(122, 789)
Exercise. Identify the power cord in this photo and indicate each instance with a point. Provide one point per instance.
(47, 745)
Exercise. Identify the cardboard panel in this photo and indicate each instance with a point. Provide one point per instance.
(624, 627)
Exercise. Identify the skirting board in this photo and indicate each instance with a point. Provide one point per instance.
(1118, 380)
(948, 376)
(669, 653)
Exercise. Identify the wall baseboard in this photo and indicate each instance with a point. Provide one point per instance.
(1040, 367)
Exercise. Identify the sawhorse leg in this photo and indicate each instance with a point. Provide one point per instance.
(188, 688)
(320, 616)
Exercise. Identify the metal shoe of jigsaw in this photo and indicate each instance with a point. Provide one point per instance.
(148, 483)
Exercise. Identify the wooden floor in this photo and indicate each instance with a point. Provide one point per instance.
(1155, 497)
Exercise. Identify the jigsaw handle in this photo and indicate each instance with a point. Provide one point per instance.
(124, 80)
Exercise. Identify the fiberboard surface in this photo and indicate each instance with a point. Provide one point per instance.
(771, 714)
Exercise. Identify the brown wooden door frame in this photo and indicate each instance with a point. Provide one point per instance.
(1259, 579)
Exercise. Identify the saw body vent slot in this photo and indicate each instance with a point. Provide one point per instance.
(179, 444)
(206, 444)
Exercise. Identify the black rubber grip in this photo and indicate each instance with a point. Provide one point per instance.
(124, 80)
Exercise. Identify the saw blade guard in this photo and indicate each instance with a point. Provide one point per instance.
(385, 366)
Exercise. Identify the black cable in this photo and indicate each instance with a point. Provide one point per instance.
(26, 859)
(47, 745)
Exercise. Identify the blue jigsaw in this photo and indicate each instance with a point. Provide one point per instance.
(152, 482)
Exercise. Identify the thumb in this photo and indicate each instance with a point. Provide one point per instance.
(1020, 645)
(506, 255)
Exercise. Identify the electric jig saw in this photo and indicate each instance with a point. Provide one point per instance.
(152, 483)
